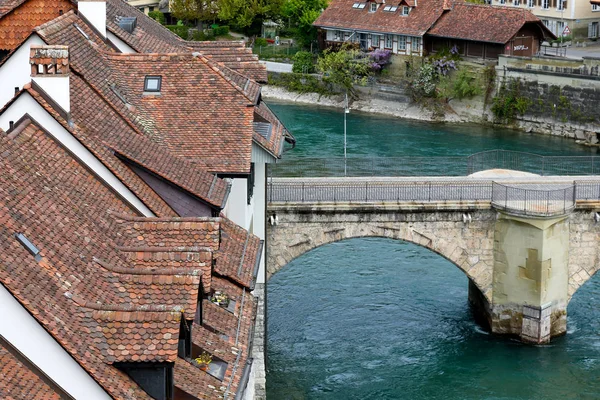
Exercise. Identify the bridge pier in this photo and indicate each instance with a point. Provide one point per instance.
(530, 278)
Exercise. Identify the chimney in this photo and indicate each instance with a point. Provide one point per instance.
(94, 11)
(50, 71)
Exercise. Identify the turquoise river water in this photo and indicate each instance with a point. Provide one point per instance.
(381, 319)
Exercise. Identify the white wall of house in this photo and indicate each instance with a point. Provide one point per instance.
(119, 44)
(23, 331)
(395, 44)
(16, 71)
(26, 104)
(95, 12)
(237, 208)
(57, 87)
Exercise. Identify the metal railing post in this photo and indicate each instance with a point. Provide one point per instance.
(547, 202)
(302, 195)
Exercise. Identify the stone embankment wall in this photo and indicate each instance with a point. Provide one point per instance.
(561, 95)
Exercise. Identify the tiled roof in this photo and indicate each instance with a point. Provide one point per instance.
(341, 14)
(15, 26)
(198, 115)
(111, 286)
(278, 132)
(151, 37)
(117, 126)
(237, 254)
(484, 23)
(20, 379)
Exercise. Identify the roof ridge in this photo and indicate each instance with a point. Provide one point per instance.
(55, 20)
(146, 271)
(148, 308)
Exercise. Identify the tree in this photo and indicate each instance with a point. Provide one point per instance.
(344, 67)
(247, 13)
(192, 10)
(302, 14)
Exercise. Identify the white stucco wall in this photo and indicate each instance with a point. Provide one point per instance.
(19, 328)
(237, 209)
(26, 104)
(258, 226)
(121, 45)
(95, 13)
(15, 72)
(57, 87)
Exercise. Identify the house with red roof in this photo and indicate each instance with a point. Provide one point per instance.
(421, 27)
(485, 31)
(133, 203)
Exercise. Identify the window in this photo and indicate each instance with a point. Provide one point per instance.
(250, 183)
(387, 8)
(531, 3)
(502, 1)
(355, 5)
(375, 41)
(560, 27)
(545, 4)
(401, 43)
(388, 41)
(405, 10)
(373, 7)
(394, 8)
(362, 5)
(516, 3)
(416, 44)
(152, 83)
(593, 30)
(595, 7)
(560, 5)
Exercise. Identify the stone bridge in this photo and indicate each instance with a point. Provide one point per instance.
(526, 244)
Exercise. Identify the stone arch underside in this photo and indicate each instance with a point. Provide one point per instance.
(584, 249)
(468, 245)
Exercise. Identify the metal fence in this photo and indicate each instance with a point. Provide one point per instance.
(438, 166)
(533, 202)
(369, 192)
(529, 199)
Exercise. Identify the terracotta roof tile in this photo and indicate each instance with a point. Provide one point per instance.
(238, 253)
(484, 23)
(20, 379)
(87, 292)
(15, 27)
(341, 14)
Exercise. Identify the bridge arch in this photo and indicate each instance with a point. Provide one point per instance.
(469, 246)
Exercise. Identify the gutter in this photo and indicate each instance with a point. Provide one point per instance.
(257, 265)
(245, 378)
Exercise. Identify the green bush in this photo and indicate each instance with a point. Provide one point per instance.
(465, 86)
(260, 42)
(509, 102)
(303, 62)
(200, 36)
(181, 31)
(301, 83)
(158, 16)
(220, 30)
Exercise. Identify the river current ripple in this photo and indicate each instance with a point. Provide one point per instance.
(375, 318)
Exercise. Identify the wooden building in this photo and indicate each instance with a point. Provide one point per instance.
(485, 31)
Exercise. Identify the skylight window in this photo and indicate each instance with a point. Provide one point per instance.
(152, 83)
(390, 8)
(81, 31)
(355, 5)
(30, 247)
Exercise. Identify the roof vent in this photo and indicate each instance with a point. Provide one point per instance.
(127, 23)
(263, 129)
(29, 246)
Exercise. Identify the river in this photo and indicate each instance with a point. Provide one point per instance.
(382, 319)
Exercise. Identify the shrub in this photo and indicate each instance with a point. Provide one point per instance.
(158, 16)
(179, 30)
(301, 83)
(200, 36)
(379, 58)
(260, 42)
(220, 30)
(303, 62)
(465, 86)
(424, 85)
(509, 102)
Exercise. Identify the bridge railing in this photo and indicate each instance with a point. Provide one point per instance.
(438, 166)
(369, 192)
(545, 199)
(532, 201)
